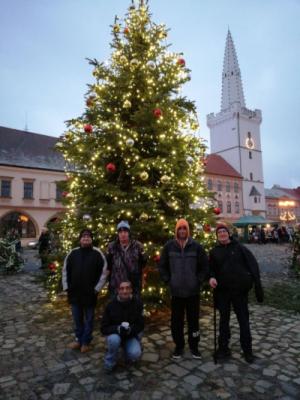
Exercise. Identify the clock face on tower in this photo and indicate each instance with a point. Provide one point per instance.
(249, 143)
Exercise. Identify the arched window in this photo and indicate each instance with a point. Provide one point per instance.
(236, 187)
(220, 205)
(227, 186)
(237, 207)
(219, 186)
(228, 207)
(209, 184)
(17, 224)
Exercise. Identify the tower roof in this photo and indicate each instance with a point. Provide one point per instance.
(232, 88)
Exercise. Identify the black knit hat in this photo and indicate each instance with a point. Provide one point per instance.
(222, 226)
(86, 232)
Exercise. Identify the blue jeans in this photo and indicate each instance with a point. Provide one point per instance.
(83, 317)
(132, 349)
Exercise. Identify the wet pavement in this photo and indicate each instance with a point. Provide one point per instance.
(36, 364)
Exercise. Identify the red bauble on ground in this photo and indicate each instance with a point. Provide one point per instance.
(88, 128)
(110, 167)
(157, 112)
(207, 228)
(181, 62)
(217, 210)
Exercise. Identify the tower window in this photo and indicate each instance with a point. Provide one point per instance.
(250, 155)
(251, 176)
(249, 135)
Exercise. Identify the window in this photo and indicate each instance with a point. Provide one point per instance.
(237, 207)
(236, 187)
(251, 176)
(58, 193)
(228, 207)
(249, 135)
(219, 186)
(209, 184)
(220, 205)
(28, 190)
(5, 188)
(250, 155)
(227, 186)
(255, 199)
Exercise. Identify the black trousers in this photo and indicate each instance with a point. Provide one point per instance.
(191, 306)
(239, 301)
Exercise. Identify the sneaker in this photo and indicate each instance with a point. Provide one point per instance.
(85, 348)
(177, 354)
(249, 358)
(74, 346)
(223, 353)
(196, 354)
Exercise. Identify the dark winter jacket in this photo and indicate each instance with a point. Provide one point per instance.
(183, 269)
(235, 268)
(84, 274)
(125, 265)
(118, 311)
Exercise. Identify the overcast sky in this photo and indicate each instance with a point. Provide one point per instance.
(44, 73)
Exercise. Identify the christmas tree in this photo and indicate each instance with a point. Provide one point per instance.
(134, 154)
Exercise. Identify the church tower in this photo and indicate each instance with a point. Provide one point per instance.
(235, 134)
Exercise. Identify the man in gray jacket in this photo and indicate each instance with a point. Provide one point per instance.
(184, 266)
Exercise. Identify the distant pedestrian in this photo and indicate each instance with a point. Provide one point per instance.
(184, 267)
(44, 246)
(126, 259)
(84, 275)
(123, 324)
(233, 271)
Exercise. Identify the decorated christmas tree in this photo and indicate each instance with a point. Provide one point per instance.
(134, 154)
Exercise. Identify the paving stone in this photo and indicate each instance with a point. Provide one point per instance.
(177, 370)
(61, 388)
(193, 380)
(150, 357)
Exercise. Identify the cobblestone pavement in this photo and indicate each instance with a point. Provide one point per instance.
(35, 364)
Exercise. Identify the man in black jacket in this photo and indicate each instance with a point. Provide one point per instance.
(123, 324)
(83, 276)
(184, 266)
(233, 270)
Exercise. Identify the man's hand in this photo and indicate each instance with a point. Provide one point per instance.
(213, 283)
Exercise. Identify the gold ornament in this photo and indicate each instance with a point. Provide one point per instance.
(116, 28)
(165, 179)
(123, 59)
(144, 175)
(134, 62)
(144, 217)
(151, 65)
(127, 104)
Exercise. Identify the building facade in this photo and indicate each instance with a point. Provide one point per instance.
(235, 134)
(30, 172)
(283, 205)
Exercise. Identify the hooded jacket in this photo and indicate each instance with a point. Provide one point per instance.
(183, 268)
(235, 268)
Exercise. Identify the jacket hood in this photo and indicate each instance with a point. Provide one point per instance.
(182, 222)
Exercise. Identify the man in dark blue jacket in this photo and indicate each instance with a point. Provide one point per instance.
(123, 324)
(184, 266)
(233, 271)
(83, 276)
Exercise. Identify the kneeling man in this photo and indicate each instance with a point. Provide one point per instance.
(123, 324)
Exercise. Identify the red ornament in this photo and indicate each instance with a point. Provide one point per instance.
(157, 112)
(126, 30)
(207, 228)
(110, 167)
(65, 194)
(88, 128)
(156, 258)
(52, 267)
(217, 210)
(181, 62)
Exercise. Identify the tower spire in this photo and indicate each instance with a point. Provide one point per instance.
(232, 88)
